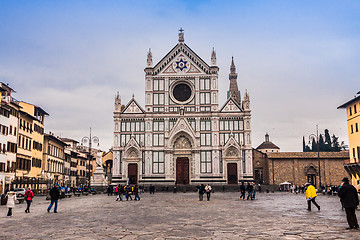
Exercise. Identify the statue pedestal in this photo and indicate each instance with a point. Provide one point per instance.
(99, 182)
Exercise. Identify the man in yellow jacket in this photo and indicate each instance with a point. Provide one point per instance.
(310, 196)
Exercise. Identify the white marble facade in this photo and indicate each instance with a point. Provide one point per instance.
(182, 136)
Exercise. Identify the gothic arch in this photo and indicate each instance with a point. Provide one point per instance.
(232, 152)
(182, 142)
(132, 153)
(180, 134)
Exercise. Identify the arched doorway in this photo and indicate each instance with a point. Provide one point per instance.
(311, 175)
(182, 152)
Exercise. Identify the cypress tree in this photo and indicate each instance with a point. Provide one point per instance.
(304, 145)
(322, 147)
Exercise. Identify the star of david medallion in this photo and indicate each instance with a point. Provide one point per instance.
(181, 64)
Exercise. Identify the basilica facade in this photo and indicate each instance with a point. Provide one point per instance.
(182, 135)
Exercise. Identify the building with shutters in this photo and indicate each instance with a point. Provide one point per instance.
(182, 135)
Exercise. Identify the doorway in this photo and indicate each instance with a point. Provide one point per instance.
(311, 178)
(182, 170)
(232, 173)
(132, 173)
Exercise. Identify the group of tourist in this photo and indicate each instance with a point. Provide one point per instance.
(127, 191)
(349, 199)
(250, 188)
(28, 197)
(202, 189)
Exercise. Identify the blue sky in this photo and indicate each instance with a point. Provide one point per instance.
(299, 60)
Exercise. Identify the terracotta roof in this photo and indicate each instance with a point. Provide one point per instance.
(342, 154)
(267, 145)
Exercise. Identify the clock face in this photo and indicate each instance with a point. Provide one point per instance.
(182, 92)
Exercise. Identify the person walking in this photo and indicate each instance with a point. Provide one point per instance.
(242, 191)
(136, 192)
(151, 189)
(250, 189)
(54, 195)
(29, 195)
(117, 193)
(201, 192)
(128, 193)
(11, 198)
(310, 196)
(350, 200)
(208, 189)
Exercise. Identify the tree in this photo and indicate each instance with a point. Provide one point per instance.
(322, 147)
(314, 145)
(335, 144)
(304, 145)
(327, 140)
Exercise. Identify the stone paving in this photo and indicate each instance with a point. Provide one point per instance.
(179, 216)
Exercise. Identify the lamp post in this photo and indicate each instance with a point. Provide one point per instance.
(316, 137)
(89, 140)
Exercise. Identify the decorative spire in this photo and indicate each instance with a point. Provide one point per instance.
(232, 67)
(117, 102)
(181, 35)
(213, 58)
(246, 102)
(149, 59)
(233, 89)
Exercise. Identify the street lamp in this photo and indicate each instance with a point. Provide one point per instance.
(89, 140)
(316, 137)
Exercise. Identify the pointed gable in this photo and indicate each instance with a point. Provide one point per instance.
(133, 107)
(231, 106)
(181, 126)
(181, 59)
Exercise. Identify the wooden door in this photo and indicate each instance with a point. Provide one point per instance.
(132, 173)
(182, 170)
(232, 173)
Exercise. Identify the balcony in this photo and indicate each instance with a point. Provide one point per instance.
(352, 169)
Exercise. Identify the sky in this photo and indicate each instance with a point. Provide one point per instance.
(299, 60)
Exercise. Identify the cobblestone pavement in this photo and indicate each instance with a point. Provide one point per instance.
(180, 216)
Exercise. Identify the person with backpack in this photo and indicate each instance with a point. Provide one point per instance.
(250, 190)
(54, 195)
(29, 195)
(201, 192)
(11, 198)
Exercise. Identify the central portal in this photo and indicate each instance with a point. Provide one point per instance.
(132, 173)
(182, 170)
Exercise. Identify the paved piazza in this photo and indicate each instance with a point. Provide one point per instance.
(180, 216)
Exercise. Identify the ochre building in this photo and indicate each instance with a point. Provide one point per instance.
(353, 121)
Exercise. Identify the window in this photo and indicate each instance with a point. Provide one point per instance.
(204, 84)
(220, 162)
(350, 111)
(352, 129)
(158, 85)
(132, 126)
(205, 125)
(158, 99)
(354, 156)
(158, 166)
(205, 139)
(158, 109)
(192, 123)
(358, 153)
(355, 109)
(172, 122)
(356, 127)
(158, 126)
(158, 139)
(205, 98)
(205, 162)
(205, 109)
